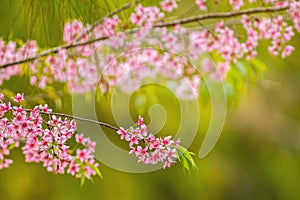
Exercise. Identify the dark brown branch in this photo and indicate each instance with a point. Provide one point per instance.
(53, 51)
(221, 15)
(164, 24)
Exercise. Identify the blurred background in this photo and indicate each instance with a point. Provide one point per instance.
(256, 157)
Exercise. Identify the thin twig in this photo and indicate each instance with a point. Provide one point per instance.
(163, 24)
(77, 118)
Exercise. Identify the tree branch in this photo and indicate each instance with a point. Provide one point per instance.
(75, 43)
(77, 118)
(221, 15)
(52, 51)
(163, 24)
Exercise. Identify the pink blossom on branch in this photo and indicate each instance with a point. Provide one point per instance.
(45, 141)
(79, 70)
(295, 14)
(45, 138)
(146, 16)
(148, 148)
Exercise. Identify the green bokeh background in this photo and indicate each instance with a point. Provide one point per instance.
(256, 157)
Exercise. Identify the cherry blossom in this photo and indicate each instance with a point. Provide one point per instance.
(295, 14)
(237, 4)
(45, 141)
(146, 16)
(84, 68)
(201, 4)
(287, 51)
(148, 148)
(126, 58)
(19, 97)
(168, 5)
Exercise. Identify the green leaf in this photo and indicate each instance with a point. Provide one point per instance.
(186, 159)
(82, 179)
(97, 171)
(185, 164)
(188, 156)
(12, 146)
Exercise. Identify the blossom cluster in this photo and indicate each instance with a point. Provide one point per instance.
(148, 148)
(47, 139)
(146, 16)
(172, 53)
(225, 42)
(10, 53)
(295, 14)
(71, 66)
(126, 59)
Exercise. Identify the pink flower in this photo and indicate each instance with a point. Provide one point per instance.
(201, 4)
(79, 138)
(145, 16)
(167, 164)
(140, 121)
(73, 168)
(149, 149)
(33, 80)
(122, 132)
(287, 51)
(91, 145)
(167, 141)
(19, 97)
(237, 4)
(45, 139)
(141, 151)
(45, 109)
(88, 171)
(82, 155)
(5, 163)
(133, 140)
(168, 5)
(143, 130)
